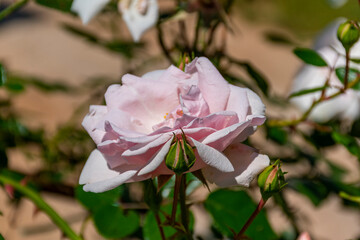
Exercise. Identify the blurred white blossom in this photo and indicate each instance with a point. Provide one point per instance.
(139, 15)
(347, 105)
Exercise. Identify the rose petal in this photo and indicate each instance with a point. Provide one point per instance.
(238, 102)
(87, 9)
(91, 121)
(247, 162)
(257, 107)
(222, 138)
(144, 99)
(98, 177)
(217, 121)
(194, 104)
(211, 83)
(142, 148)
(157, 159)
(213, 157)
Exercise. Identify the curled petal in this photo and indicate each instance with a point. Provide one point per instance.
(98, 177)
(211, 83)
(157, 159)
(247, 162)
(92, 120)
(213, 157)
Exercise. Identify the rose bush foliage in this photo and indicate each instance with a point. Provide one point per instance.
(135, 129)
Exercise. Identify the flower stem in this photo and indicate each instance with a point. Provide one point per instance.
(42, 205)
(251, 219)
(158, 221)
(12, 8)
(183, 208)
(178, 178)
(347, 63)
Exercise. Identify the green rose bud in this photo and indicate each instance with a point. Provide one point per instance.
(348, 34)
(181, 156)
(271, 180)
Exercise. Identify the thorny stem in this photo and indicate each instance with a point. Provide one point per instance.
(42, 205)
(251, 219)
(158, 221)
(12, 8)
(178, 178)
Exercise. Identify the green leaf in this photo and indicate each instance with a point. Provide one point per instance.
(3, 159)
(18, 83)
(355, 129)
(112, 222)
(257, 77)
(310, 57)
(353, 73)
(15, 86)
(278, 38)
(355, 60)
(151, 230)
(94, 201)
(315, 190)
(277, 134)
(231, 209)
(349, 142)
(2, 75)
(125, 48)
(1, 237)
(61, 5)
(306, 91)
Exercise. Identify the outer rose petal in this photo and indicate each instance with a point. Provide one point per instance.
(247, 162)
(213, 86)
(92, 119)
(213, 157)
(156, 160)
(98, 177)
(87, 9)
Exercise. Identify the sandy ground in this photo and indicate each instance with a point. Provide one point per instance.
(39, 47)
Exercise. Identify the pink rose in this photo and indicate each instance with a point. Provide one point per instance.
(135, 129)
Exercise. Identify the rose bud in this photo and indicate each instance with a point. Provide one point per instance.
(348, 34)
(271, 180)
(181, 156)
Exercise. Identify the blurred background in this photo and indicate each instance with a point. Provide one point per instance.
(56, 67)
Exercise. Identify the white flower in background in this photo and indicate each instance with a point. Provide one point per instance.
(139, 15)
(87, 9)
(344, 107)
(336, 3)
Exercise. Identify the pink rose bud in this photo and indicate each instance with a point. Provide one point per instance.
(271, 180)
